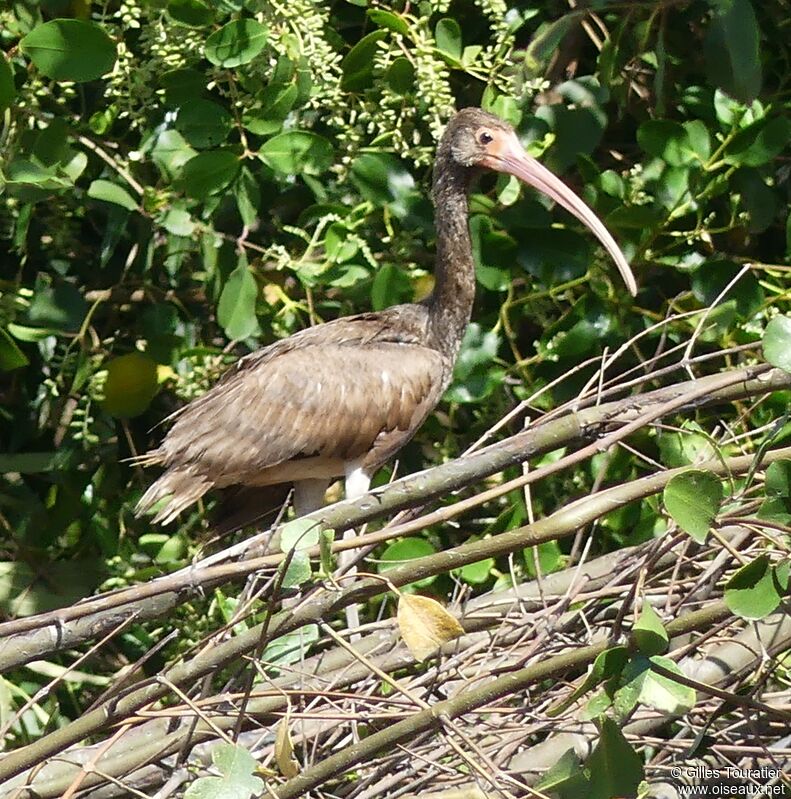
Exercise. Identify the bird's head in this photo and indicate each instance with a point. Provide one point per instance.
(476, 139)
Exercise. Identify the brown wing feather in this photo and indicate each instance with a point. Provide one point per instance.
(353, 389)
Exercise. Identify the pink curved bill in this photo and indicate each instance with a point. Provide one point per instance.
(510, 157)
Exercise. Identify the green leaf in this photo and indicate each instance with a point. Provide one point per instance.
(298, 571)
(382, 179)
(237, 781)
(182, 86)
(555, 256)
(649, 633)
(21, 173)
(693, 499)
(11, 357)
(236, 43)
(248, 198)
(759, 143)
(731, 113)
(548, 557)
(346, 275)
(112, 193)
(326, 539)
(386, 19)
(578, 131)
(753, 592)
(645, 686)
(732, 50)
(178, 222)
(400, 76)
(475, 374)
(665, 694)
(33, 462)
(70, 49)
(564, 775)
(777, 342)
(30, 334)
(755, 197)
(173, 550)
(390, 287)
(686, 446)
(447, 35)
(778, 479)
(60, 307)
(292, 647)
(209, 173)
(476, 573)
(615, 768)
(7, 88)
(194, 13)
(775, 509)
(299, 534)
(276, 103)
(698, 138)
(203, 123)
(711, 278)
(400, 552)
(339, 245)
(596, 706)
(170, 152)
(494, 253)
(547, 39)
(358, 64)
(26, 589)
(297, 151)
(236, 308)
(672, 141)
(607, 666)
(788, 234)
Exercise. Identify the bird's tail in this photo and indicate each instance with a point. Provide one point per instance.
(150, 458)
(181, 487)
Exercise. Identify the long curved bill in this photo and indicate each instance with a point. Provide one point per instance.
(507, 155)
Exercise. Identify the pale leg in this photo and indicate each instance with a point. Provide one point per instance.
(357, 484)
(308, 496)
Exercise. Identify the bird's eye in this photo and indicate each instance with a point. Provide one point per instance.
(485, 137)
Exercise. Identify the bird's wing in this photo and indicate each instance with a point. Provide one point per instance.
(339, 395)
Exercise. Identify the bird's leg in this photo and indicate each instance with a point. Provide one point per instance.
(357, 483)
(309, 495)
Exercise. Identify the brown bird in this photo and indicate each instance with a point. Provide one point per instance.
(341, 398)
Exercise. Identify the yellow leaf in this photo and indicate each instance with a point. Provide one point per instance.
(425, 625)
(284, 750)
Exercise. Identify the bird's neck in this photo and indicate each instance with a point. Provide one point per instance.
(450, 305)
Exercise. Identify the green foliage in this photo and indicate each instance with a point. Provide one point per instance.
(405, 550)
(649, 632)
(777, 342)
(237, 768)
(641, 684)
(693, 498)
(615, 768)
(756, 589)
(70, 49)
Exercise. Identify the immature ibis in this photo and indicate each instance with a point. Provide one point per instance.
(341, 398)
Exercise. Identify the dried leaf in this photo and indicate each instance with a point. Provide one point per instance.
(425, 625)
(284, 750)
